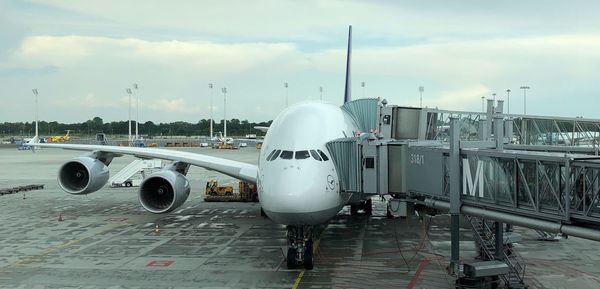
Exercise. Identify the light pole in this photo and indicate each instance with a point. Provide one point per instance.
(285, 84)
(508, 100)
(321, 93)
(224, 90)
(421, 90)
(494, 98)
(35, 92)
(137, 110)
(525, 88)
(363, 88)
(483, 104)
(210, 86)
(128, 90)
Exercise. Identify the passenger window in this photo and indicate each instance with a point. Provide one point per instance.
(300, 155)
(276, 154)
(323, 155)
(287, 155)
(315, 155)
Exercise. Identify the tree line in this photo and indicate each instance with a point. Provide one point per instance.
(235, 127)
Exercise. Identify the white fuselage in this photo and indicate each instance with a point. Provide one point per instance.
(302, 190)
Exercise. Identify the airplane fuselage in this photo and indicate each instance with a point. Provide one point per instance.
(299, 184)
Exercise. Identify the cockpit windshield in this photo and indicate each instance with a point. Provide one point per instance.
(287, 155)
(299, 155)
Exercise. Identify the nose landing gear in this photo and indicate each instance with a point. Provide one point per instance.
(300, 247)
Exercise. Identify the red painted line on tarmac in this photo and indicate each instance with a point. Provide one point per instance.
(420, 269)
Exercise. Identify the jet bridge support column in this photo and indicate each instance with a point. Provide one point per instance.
(455, 268)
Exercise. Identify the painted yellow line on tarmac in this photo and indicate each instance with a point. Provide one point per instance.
(301, 274)
(298, 280)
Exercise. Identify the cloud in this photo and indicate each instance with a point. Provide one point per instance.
(172, 105)
(71, 51)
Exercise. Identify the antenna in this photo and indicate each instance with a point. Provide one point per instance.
(347, 92)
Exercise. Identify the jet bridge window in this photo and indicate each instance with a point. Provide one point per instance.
(315, 155)
(273, 155)
(323, 155)
(287, 155)
(300, 155)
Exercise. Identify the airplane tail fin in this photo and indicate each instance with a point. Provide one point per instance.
(33, 140)
(347, 91)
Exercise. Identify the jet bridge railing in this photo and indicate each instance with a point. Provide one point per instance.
(549, 186)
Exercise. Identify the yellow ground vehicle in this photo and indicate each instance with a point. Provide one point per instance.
(213, 189)
(216, 193)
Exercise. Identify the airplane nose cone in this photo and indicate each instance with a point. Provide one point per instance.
(299, 196)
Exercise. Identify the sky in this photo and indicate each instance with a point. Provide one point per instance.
(82, 55)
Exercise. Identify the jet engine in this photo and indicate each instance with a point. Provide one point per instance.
(82, 175)
(164, 191)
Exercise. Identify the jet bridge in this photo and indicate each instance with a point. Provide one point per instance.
(487, 178)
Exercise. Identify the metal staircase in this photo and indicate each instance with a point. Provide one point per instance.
(123, 177)
(486, 242)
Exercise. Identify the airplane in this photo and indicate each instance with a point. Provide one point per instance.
(297, 182)
(221, 139)
(60, 138)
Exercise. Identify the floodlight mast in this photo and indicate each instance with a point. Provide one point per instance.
(363, 84)
(224, 90)
(128, 90)
(210, 86)
(421, 90)
(508, 100)
(137, 110)
(525, 88)
(285, 84)
(483, 104)
(321, 93)
(36, 92)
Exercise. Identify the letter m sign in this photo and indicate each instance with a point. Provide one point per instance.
(470, 185)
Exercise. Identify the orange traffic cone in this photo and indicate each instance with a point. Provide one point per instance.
(157, 229)
(60, 217)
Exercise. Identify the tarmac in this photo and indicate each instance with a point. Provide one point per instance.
(106, 240)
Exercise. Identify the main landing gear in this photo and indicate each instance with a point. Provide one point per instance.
(366, 206)
(300, 247)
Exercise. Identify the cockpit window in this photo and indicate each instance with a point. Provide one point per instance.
(323, 155)
(300, 155)
(273, 155)
(315, 155)
(287, 155)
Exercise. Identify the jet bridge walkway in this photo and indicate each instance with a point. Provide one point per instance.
(486, 178)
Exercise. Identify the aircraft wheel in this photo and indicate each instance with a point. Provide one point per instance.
(368, 207)
(291, 259)
(353, 210)
(308, 256)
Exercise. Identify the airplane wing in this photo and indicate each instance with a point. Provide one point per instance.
(239, 170)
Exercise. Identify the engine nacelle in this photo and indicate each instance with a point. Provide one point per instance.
(82, 175)
(164, 191)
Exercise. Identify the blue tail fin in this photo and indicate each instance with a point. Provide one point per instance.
(347, 92)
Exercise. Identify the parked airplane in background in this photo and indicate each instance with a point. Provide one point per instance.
(60, 138)
(222, 139)
(297, 182)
